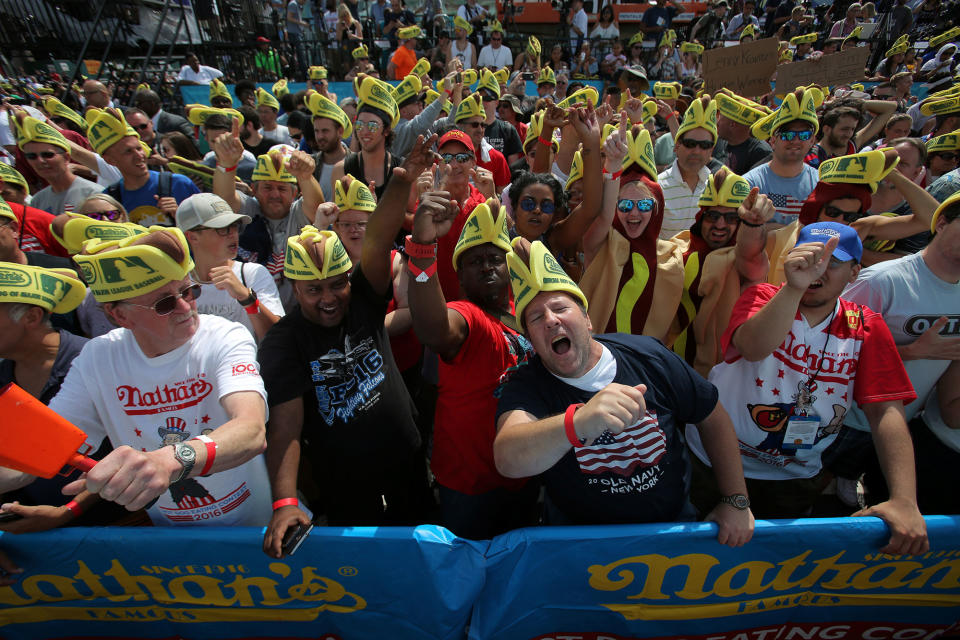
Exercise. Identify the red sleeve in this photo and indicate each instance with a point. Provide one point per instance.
(880, 373)
(35, 231)
(479, 326)
(749, 302)
(501, 171)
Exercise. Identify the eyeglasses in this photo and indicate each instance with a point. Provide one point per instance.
(165, 305)
(486, 97)
(473, 125)
(371, 125)
(788, 136)
(949, 157)
(46, 155)
(626, 205)
(495, 39)
(459, 157)
(110, 215)
(296, 136)
(352, 225)
(221, 231)
(141, 127)
(547, 207)
(731, 217)
(848, 216)
(689, 143)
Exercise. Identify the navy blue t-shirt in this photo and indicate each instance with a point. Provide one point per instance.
(640, 475)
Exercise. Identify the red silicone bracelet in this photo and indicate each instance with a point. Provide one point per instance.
(211, 453)
(74, 508)
(424, 275)
(285, 502)
(544, 141)
(568, 425)
(253, 308)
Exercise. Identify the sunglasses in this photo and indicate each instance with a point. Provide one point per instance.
(848, 216)
(296, 136)
(693, 144)
(486, 97)
(730, 216)
(141, 127)
(221, 231)
(459, 157)
(473, 125)
(110, 215)
(165, 305)
(949, 157)
(546, 206)
(371, 125)
(46, 155)
(626, 205)
(788, 136)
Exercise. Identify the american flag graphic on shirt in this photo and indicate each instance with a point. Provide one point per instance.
(275, 263)
(641, 444)
(788, 207)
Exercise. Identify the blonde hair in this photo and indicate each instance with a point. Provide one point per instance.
(113, 202)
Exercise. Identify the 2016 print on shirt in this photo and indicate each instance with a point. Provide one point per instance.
(350, 380)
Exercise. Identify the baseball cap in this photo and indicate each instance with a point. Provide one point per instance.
(849, 247)
(262, 39)
(455, 135)
(207, 210)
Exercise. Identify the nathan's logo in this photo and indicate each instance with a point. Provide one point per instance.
(88, 272)
(11, 277)
(106, 232)
(160, 399)
(917, 325)
(124, 269)
(663, 588)
(741, 189)
(43, 129)
(551, 265)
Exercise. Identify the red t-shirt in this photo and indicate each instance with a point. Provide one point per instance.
(498, 167)
(406, 347)
(35, 230)
(465, 419)
(449, 282)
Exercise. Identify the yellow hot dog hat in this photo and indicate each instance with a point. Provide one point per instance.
(433, 95)
(421, 68)
(666, 90)
(467, 77)
(533, 132)
(533, 46)
(946, 204)
(12, 176)
(219, 90)
(638, 38)
(265, 99)
(668, 39)
(502, 75)
(798, 105)
(702, 113)
(469, 107)
(808, 38)
(356, 197)
(361, 52)
(547, 76)
(280, 88)
(322, 107)
(272, 165)
(135, 265)
(532, 270)
(581, 95)
(495, 27)
(106, 128)
(56, 109)
(56, 290)
(867, 168)
(460, 23)
(640, 153)
(489, 82)
(949, 104)
(576, 171)
(691, 47)
(73, 229)
(407, 33)
(197, 114)
(317, 72)
(408, 88)
(947, 142)
(731, 192)
(28, 129)
(482, 228)
(377, 94)
(315, 255)
(749, 31)
(946, 36)
(738, 109)
(900, 46)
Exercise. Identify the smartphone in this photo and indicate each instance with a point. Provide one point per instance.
(457, 79)
(9, 516)
(294, 538)
(528, 75)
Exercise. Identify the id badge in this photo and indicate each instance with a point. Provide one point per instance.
(801, 432)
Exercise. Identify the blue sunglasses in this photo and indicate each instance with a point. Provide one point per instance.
(626, 205)
(788, 136)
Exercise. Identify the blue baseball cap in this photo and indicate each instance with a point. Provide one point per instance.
(849, 246)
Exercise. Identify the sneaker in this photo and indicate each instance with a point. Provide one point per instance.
(850, 492)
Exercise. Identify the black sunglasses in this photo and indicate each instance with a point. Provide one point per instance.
(165, 305)
(848, 216)
(46, 155)
(141, 127)
(692, 144)
(713, 216)
(949, 157)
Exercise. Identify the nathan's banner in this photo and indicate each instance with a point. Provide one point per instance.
(805, 579)
(745, 69)
(835, 69)
(200, 583)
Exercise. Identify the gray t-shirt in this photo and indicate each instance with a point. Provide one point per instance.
(65, 201)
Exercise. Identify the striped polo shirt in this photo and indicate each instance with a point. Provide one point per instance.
(680, 204)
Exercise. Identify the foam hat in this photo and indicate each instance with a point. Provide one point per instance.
(219, 90)
(280, 88)
(408, 33)
(943, 106)
(73, 229)
(482, 228)
(495, 27)
(10, 175)
(691, 47)
(421, 68)
(856, 86)
(898, 47)
(120, 269)
(785, 56)
(322, 107)
(849, 246)
(315, 255)
(943, 38)
(489, 82)
(638, 38)
(6, 211)
(749, 31)
(733, 190)
(375, 93)
(807, 38)
(792, 108)
(533, 269)
(580, 96)
(534, 128)
(701, 114)
(106, 128)
(547, 76)
(668, 39)
(143, 86)
(408, 88)
(28, 129)
(467, 77)
(433, 95)
(502, 75)
(272, 166)
(666, 90)
(55, 290)
(854, 35)
(947, 142)
(867, 168)
(356, 197)
(469, 107)
(317, 72)
(640, 153)
(576, 171)
(533, 46)
(197, 114)
(946, 204)
(460, 23)
(56, 109)
(264, 99)
(739, 109)
(360, 52)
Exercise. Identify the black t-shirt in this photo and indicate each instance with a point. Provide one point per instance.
(503, 137)
(358, 417)
(641, 474)
(742, 157)
(261, 148)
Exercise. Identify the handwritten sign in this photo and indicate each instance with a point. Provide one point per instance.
(836, 68)
(745, 69)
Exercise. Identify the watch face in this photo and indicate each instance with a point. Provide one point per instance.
(185, 453)
(740, 501)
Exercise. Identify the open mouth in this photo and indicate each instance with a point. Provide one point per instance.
(560, 345)
(816, 284)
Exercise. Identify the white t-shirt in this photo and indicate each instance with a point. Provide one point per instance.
(281, 135)
(495, 58)
(580, 21)
(113, 390)
(107, 174)
(219, 302)
(204, 76)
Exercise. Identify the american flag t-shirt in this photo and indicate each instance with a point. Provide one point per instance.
(641, 444)
(788, 207)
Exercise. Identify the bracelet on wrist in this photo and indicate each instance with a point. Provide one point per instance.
(211, 453)
(422, 275)
(249, 300)
(751, 224)
(544, 141)
(285, 502)
(253, 308)
(569, 428)
(224, 169)
(74, 508)
(415, 249)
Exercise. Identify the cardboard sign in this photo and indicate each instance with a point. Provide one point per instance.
(837, 68)
(745, 69)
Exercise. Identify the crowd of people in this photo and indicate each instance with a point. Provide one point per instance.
(449, 302)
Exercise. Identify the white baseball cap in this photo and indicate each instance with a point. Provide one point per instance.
(207, 210)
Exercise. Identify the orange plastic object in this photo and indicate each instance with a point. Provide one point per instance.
(36, 440)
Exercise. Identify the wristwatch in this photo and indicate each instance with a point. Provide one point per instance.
(737, 501)
(186, 456)
(249, 300)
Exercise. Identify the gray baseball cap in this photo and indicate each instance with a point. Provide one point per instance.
(207, 210)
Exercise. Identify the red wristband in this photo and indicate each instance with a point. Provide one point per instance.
(211, 453)
(227, 169)
(544, 141)
(568, 425)
(417, 250)
(74, 508)
(252, 309)
(285, 502)
(616, 174)
(422, 275)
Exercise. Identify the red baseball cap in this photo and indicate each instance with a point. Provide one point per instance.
(455, 135)
(262, 39)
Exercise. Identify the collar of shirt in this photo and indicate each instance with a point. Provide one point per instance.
(156, 119)
(485, 149)
(672, 176)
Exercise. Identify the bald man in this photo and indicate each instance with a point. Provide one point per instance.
(96, 94)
